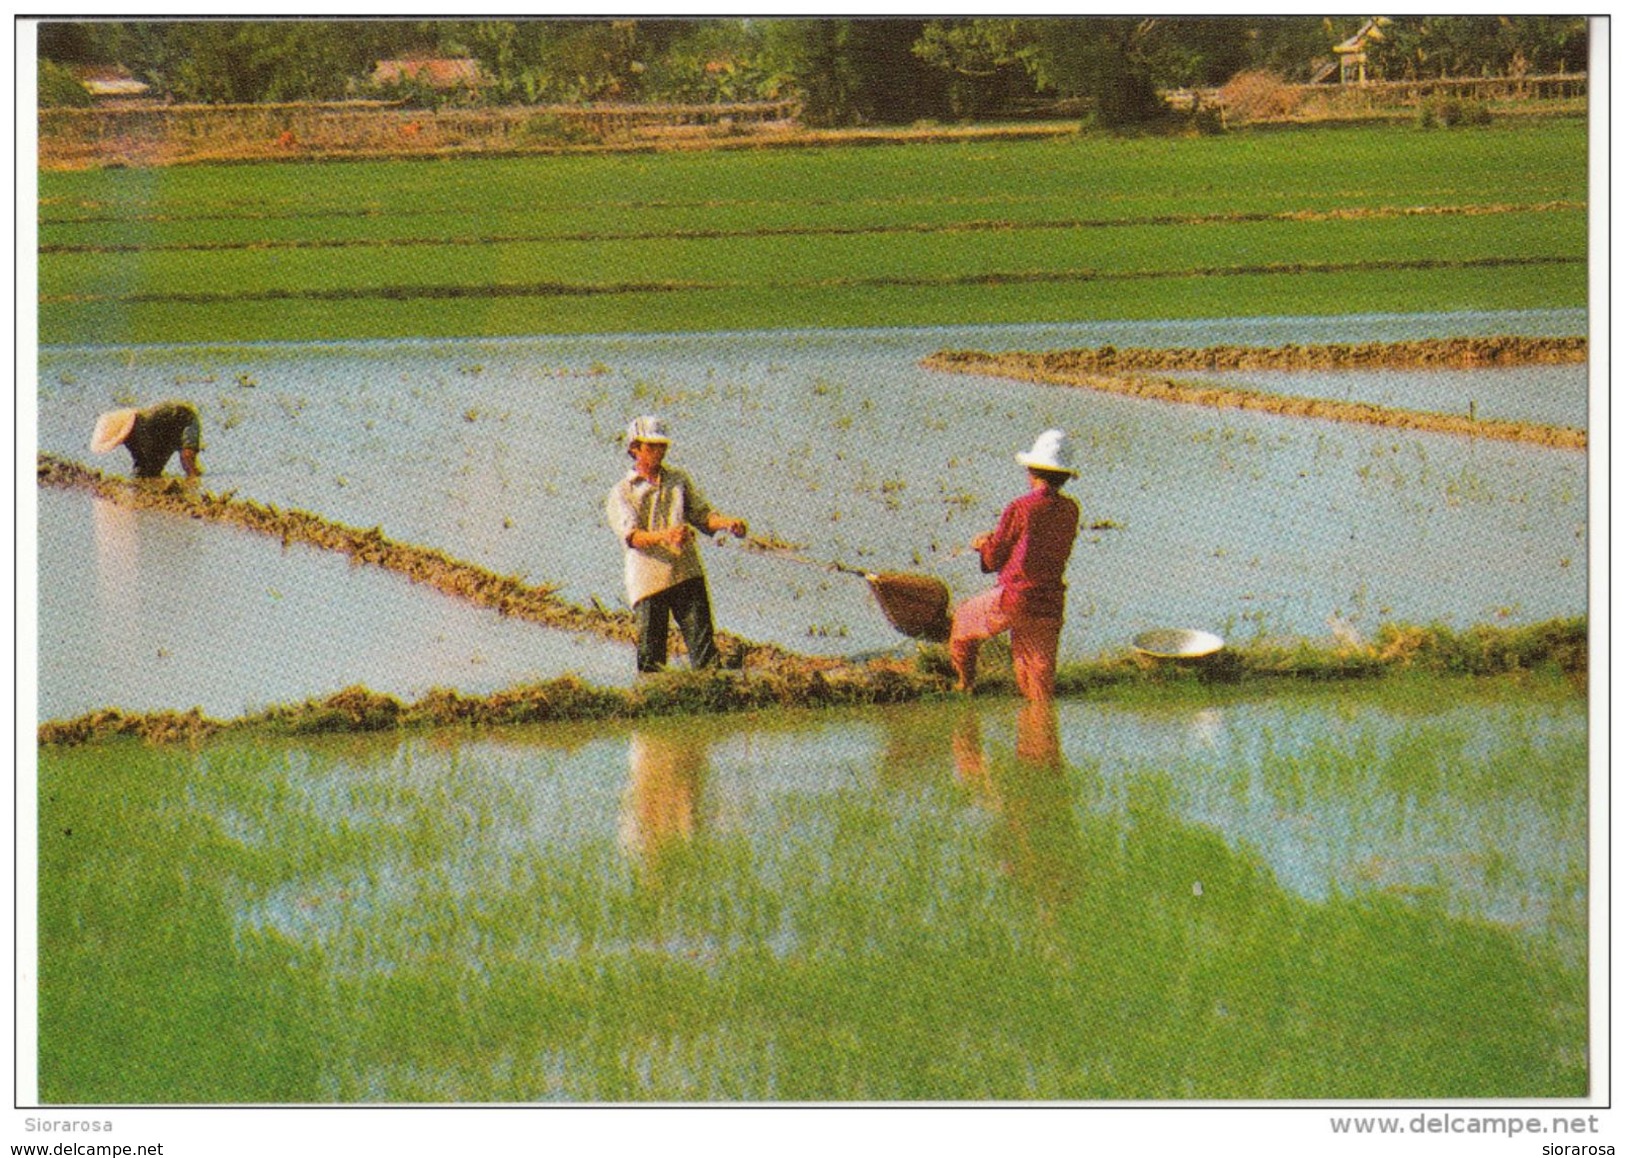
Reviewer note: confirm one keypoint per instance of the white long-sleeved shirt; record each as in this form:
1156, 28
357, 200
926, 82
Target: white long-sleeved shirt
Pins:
636, 504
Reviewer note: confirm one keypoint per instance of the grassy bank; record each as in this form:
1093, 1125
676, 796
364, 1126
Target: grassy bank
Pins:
973, 231
1113, 371
1557, 649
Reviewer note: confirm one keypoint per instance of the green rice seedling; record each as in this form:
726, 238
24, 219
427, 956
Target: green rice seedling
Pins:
269, 251
781, 912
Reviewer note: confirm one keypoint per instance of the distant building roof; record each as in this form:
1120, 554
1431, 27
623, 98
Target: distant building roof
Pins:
1370, 30
110, 81
1351, 53
436, 72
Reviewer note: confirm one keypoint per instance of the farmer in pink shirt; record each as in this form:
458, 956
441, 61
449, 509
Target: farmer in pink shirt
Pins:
1029, 550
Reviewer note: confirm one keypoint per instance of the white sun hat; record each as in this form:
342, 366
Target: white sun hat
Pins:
647, 428
111, 430
1050, 451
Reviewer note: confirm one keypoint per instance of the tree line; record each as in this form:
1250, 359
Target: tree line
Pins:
844, 71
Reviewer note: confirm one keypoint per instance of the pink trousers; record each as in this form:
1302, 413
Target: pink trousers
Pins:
1034, 643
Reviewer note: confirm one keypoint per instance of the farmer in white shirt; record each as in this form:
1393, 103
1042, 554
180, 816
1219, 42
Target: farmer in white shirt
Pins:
654, 511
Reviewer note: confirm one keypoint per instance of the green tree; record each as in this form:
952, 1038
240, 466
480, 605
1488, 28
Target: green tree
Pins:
497, 46
229, 61
1549, 43
557, 60
1107, 59
70, 42
812, 57
718, 60
1439, 46
142, 47
59, 88
853, 71
992, 61
1291, 46
894, 86
582, 60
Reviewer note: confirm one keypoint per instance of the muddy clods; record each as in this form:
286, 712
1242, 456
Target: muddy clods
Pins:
153, 727
1127, 372
1429, 354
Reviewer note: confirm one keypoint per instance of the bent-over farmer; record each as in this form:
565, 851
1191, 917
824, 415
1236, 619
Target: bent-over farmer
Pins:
152, 436
655, 511
1029, 549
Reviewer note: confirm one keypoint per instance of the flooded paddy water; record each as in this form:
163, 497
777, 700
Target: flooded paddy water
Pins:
167, 612
1362, 893
501, 452
1378, 891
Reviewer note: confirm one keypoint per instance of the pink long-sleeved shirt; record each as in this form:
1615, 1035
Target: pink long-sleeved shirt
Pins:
1030, 548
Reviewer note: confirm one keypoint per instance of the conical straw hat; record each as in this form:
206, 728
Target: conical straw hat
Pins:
112, 429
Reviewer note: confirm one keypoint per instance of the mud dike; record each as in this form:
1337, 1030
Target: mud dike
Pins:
507, 594
753, 675
1129, 371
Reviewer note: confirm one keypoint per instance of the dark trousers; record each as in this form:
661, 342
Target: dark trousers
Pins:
690, 603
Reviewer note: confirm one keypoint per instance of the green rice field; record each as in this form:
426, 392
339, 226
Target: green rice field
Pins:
1314, 222
1362, 894
1365, 878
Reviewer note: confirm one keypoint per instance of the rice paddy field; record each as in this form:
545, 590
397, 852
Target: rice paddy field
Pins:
1307, 223
501, 453
1172, 890
1371, 894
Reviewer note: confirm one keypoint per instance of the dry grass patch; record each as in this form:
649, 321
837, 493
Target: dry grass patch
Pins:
1259, 96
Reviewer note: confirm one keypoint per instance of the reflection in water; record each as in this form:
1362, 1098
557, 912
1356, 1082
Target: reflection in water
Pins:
1038, 736
1037, 838
659, 810
118, 561
1207, 728
427, 918
919, 745
147, 575
145, 611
